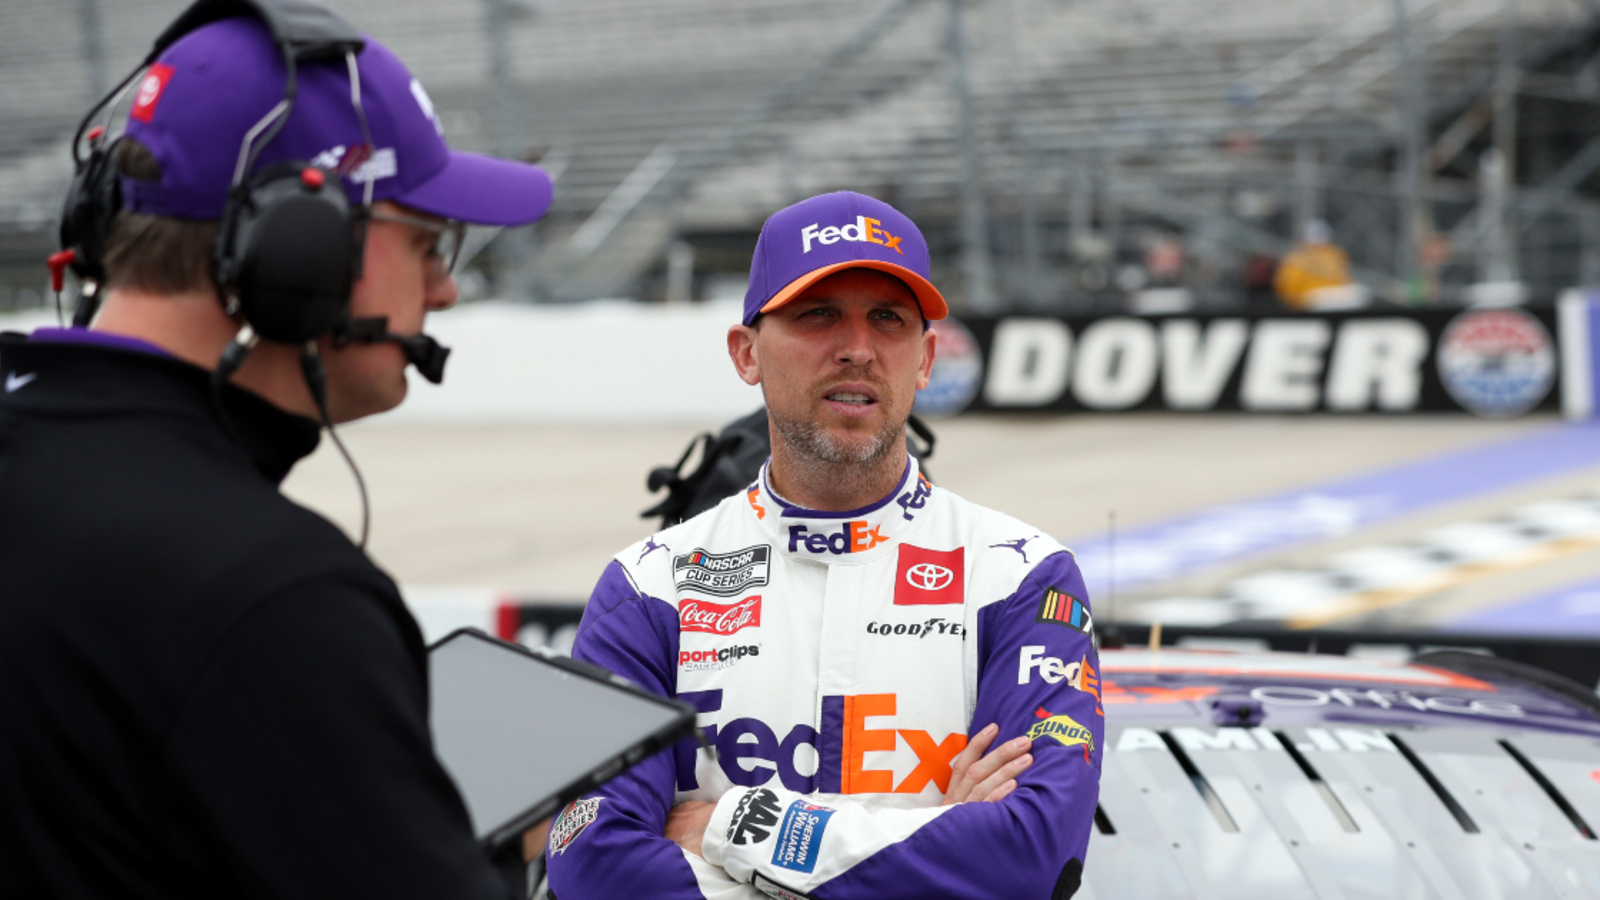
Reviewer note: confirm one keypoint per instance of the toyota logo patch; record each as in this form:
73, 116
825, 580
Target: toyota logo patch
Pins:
924, 577
929, 577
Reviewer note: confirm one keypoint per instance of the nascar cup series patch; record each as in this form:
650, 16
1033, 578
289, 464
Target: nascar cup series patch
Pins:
722, 574
578, 815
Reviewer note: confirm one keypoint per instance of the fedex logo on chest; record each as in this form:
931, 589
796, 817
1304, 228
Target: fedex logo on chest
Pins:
862, 230
750, 752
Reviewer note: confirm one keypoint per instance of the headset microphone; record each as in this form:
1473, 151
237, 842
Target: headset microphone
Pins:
420, 350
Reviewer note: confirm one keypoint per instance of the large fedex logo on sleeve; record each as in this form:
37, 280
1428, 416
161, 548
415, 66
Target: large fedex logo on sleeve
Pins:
750, 752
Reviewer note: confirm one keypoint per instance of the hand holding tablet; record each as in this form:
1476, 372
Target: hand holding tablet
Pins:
523, 732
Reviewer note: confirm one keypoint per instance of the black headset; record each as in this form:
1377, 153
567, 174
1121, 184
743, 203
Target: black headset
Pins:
290, 245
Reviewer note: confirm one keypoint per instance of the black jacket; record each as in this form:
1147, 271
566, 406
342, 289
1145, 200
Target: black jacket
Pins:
205, 689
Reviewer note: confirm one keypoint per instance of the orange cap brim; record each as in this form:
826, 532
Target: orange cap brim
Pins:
928, 297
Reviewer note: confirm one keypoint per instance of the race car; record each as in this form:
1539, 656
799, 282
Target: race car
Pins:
1282, 775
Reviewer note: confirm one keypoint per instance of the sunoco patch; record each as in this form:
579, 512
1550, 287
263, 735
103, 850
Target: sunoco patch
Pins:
1064, 729
722, 574
578, 815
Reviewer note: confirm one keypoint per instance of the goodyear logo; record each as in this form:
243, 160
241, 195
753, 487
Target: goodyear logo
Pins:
863, 230
1063, 729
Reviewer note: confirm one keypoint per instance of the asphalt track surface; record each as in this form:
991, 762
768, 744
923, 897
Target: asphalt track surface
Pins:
1417, 521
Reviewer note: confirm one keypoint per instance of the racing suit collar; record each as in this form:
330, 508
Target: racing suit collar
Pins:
856, 535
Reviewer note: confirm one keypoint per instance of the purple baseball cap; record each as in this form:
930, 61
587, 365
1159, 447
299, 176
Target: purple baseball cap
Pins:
804, 243
194, 106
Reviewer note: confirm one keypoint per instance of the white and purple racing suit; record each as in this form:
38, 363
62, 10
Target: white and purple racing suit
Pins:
840, 661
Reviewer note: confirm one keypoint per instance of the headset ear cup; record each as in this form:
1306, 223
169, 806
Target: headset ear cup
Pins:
93, 201
288, 255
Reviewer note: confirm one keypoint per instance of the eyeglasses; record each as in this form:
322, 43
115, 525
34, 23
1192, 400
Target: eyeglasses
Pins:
449, 235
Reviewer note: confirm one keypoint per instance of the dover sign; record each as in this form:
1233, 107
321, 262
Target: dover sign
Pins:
1492, 362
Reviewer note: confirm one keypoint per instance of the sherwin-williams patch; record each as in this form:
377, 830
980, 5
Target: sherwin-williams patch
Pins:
800, 836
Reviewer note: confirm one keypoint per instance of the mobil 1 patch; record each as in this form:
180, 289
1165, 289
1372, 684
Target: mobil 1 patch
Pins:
1057, 607
722, 574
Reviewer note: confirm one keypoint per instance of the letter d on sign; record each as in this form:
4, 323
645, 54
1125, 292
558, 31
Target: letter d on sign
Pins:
1028, 362
1117, 362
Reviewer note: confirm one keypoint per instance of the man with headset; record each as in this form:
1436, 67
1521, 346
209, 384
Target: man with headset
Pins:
207, 690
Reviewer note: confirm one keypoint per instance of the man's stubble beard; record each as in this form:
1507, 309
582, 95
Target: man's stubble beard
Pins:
851, 463
810, 440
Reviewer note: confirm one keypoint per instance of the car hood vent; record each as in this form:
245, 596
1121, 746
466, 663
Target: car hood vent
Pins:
1344, 811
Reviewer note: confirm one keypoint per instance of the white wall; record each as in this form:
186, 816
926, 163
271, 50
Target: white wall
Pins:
603, 362
599, 362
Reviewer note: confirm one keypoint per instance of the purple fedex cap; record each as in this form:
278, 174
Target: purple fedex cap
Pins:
194, 106
804, 243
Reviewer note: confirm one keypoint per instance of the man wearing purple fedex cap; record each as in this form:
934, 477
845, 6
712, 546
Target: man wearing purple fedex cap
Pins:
901, 686
207, 690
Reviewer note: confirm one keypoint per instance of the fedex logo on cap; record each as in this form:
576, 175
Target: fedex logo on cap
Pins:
863, 230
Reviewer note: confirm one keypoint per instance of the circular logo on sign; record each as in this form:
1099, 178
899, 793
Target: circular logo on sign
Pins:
929, 577
1497, 362
957, 371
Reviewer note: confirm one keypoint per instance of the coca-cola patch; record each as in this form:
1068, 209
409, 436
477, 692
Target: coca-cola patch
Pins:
719, 618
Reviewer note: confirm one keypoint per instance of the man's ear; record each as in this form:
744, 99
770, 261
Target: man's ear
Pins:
930, 343
742, 350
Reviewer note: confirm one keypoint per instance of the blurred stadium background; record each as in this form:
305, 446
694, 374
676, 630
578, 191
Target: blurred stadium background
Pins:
1082, 161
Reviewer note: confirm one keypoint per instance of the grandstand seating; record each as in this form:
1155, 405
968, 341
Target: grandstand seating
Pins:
765, 99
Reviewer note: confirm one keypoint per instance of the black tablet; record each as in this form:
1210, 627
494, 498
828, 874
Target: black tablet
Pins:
523, 732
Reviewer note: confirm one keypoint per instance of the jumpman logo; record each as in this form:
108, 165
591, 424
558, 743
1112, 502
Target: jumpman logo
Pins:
1016, 545
651, 546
